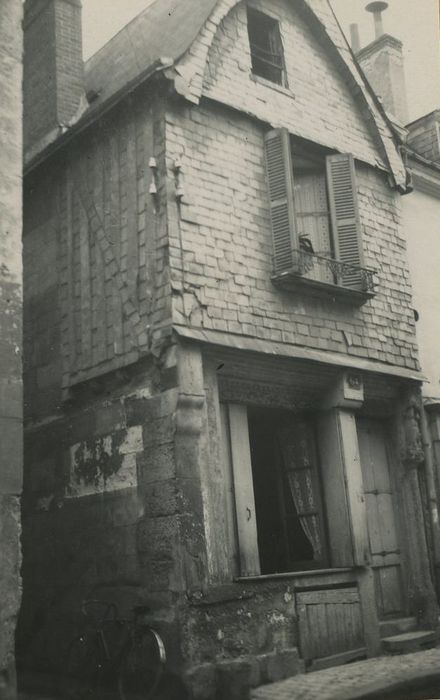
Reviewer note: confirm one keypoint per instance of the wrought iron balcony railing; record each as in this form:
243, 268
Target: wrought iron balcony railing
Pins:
327, 273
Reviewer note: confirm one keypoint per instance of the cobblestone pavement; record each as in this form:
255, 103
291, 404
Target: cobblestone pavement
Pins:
358, 679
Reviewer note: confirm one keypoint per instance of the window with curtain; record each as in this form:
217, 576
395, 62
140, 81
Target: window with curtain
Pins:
278, 501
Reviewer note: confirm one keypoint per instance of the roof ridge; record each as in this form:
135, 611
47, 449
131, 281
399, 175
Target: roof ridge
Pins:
121, 30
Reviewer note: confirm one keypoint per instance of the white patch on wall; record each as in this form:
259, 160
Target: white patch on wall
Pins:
105, 464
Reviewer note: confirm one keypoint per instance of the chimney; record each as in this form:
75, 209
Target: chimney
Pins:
382, 63
53, 80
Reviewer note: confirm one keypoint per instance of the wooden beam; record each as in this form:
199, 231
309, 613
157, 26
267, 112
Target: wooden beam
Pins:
244, 491
355, 490
335, 497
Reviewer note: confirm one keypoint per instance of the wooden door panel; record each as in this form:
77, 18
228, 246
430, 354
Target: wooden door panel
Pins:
330, 622
387, 522
379, 459
374, 532
390, 559
381, 516
365, 451
388, 580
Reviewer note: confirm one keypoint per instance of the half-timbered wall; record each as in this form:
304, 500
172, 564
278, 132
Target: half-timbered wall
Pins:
93, 265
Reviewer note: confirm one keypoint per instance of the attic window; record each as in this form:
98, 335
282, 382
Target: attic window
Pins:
266, 48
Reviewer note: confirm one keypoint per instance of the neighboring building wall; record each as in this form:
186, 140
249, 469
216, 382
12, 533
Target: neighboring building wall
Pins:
421, 215
11, 341
424, 136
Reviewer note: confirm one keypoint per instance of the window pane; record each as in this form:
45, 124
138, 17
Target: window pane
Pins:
266, 48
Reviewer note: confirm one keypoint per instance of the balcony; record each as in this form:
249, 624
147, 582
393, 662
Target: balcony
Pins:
324, 276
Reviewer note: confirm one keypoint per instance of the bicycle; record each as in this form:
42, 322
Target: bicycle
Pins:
115, 657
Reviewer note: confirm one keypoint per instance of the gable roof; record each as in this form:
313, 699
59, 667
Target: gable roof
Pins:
180, 32
165, 29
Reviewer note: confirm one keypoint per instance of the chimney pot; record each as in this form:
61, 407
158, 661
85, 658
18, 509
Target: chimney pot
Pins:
377, 8
354, 36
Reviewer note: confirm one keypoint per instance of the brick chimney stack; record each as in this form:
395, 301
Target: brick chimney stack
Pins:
382, 63
53, 80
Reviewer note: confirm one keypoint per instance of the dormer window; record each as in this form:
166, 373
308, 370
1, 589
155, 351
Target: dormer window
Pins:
266, 47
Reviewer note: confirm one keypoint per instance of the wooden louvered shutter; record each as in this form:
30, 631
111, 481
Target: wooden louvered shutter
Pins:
341, 180
280, 180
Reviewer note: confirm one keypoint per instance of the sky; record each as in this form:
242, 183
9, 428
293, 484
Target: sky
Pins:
415, 22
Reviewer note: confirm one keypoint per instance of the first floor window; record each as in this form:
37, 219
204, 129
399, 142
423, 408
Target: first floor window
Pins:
314, 212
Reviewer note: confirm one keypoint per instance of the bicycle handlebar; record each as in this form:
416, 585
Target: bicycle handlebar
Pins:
109, 608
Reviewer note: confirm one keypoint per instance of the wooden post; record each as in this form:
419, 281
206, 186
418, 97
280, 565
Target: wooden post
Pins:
344, 495
367, 594
433, 420
335, 496
190, 421
342, 473
409, 448
244, 491
431, 491
355, 489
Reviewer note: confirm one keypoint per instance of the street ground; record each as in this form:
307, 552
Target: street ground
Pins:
413, 676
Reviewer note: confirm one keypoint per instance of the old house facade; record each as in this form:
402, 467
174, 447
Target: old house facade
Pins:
11, 453
222, 378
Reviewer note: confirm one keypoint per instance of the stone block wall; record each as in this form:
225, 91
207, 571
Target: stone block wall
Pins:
11, 334
102, 514
241, 636
222, 262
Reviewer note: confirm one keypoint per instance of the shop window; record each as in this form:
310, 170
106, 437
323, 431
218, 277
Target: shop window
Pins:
266, 47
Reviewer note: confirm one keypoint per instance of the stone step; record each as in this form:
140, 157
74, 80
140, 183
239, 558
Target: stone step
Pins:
389, 628
415, 640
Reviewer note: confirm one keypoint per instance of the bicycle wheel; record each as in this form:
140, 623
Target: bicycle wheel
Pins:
84, 668
142, 665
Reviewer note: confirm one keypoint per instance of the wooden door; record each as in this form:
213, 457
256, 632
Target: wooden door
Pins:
381, 516
330, 625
